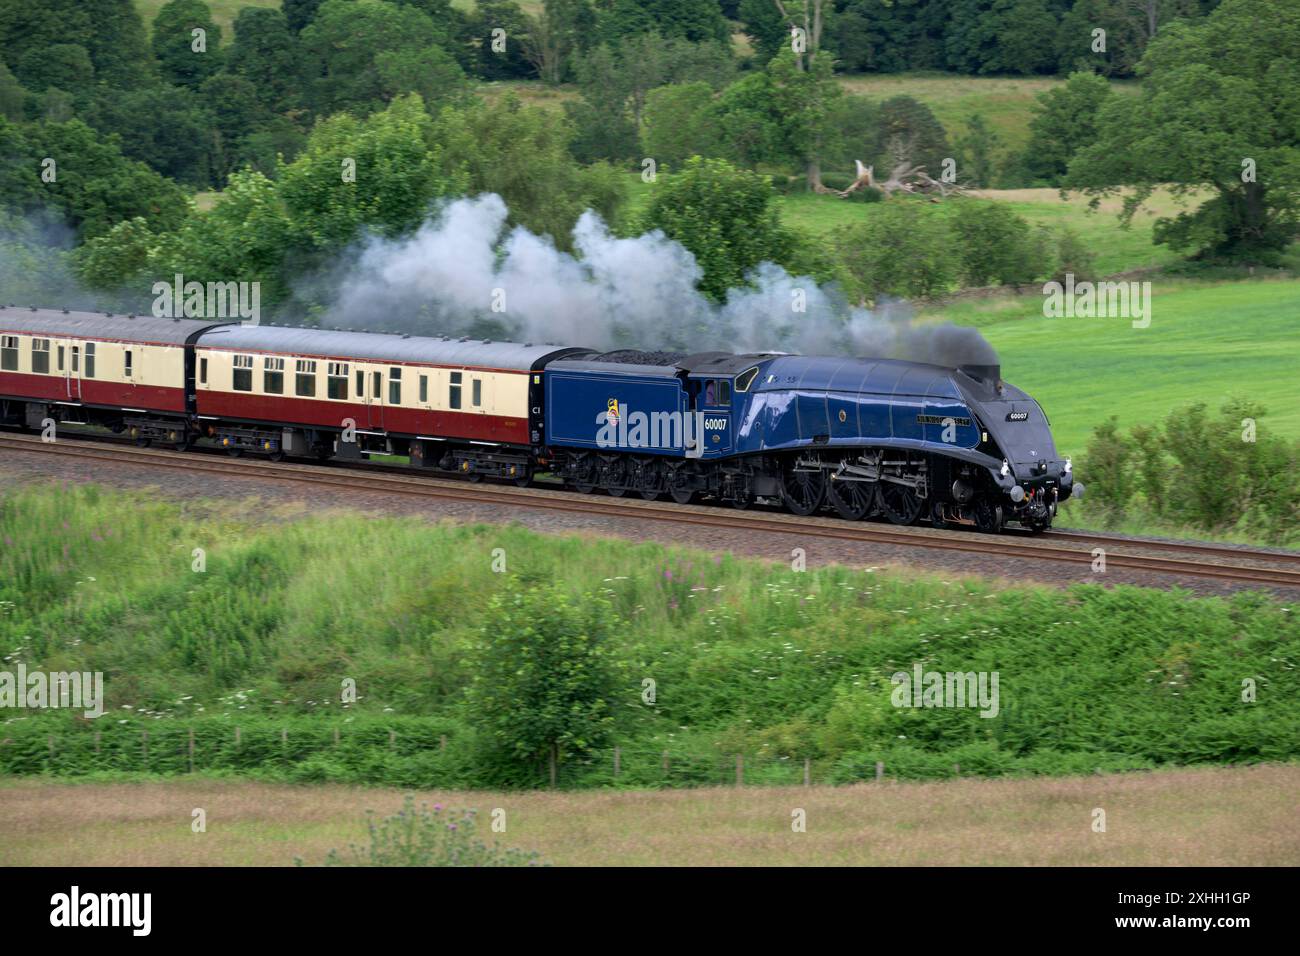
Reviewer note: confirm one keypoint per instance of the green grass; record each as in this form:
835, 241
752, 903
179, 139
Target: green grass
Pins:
1117, 249
747, 657
1004, 102
1207, 341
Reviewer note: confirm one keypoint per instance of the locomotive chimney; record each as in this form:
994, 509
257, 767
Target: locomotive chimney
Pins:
992, 374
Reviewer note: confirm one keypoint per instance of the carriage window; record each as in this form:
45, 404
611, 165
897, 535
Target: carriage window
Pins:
203, 368
424, 389
453, 394
305, 381
90, 360
338, 381
242, 378
41, 356
394, 386
273, 376
60, 358
9, 353
478, 393
126, 363
361, 384
377, 384
746, 379
76, 358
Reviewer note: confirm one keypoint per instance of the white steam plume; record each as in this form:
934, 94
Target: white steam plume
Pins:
612, 293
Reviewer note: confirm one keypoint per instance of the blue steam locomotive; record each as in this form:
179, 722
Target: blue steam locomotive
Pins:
863, 436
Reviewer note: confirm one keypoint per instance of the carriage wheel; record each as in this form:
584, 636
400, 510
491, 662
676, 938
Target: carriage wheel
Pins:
988, 516
852, 500
803, 491
901, 504
524, 478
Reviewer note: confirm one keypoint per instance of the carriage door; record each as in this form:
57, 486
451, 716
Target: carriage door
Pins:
74, 373
375, 400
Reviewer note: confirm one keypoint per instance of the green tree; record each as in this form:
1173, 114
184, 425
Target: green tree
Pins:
903, 249
166, 127
380, 171
1065, 120
110, 31
1213, 112
680, 122
356, 49
726, 218
174, 43
976, 151
64, 66
511, 62
994, 244
265, 53
542, 676
93, 186
12, 95
695, 20
910, 131
522, 154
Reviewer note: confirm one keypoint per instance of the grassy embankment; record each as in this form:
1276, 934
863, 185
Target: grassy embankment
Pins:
748, 658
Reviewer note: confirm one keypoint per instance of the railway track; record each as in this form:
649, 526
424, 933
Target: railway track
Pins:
1259, 567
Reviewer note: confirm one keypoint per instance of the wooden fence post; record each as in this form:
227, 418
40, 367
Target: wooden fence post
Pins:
191, 750
392, 738
880, 769
616, 761
236, 738
442, 743
284, 738
144, 739
336, 736
807, 771
553, 768
665, 761
97, 741
51, 746
956, 768
740, 770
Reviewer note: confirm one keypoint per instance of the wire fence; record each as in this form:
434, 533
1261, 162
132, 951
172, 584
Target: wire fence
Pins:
408, 753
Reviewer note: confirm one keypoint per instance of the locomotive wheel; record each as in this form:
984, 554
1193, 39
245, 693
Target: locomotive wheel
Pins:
585, 471
474, 477
852, 500
803, 491
143, 441
234, 451
651, 480
901, 504
277, 455
618, 474
742, 498
676, 486
988, 516
524, 478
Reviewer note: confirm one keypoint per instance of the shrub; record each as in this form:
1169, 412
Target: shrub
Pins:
419, 836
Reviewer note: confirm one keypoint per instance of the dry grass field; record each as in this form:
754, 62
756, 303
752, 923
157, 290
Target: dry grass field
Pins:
1233, 817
